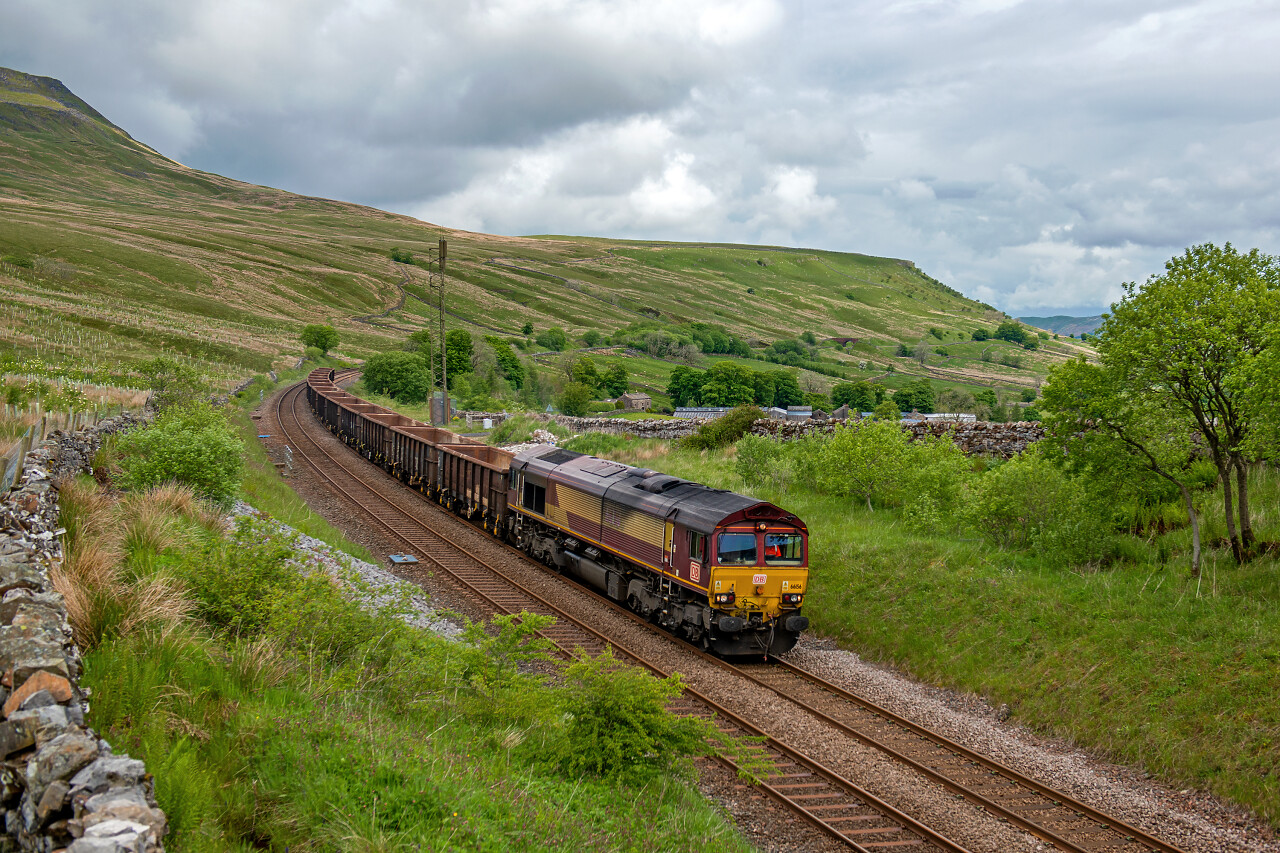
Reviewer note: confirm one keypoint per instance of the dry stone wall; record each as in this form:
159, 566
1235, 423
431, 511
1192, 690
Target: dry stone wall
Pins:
61, 786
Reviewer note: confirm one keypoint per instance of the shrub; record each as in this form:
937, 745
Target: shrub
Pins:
618, 723
402, 376
313, 353
193, 445
759, 460
865, 460
552, 339
724, 430
172, 383
887, 411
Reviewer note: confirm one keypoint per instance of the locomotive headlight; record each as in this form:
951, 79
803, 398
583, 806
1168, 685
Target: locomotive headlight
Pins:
792, 598
725, 598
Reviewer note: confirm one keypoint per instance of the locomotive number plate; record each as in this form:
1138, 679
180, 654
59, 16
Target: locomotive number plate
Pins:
759, 579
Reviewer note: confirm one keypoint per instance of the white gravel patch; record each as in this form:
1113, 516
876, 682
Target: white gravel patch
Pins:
373, 587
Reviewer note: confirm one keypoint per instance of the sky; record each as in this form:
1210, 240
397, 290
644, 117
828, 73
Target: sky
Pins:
1034, 155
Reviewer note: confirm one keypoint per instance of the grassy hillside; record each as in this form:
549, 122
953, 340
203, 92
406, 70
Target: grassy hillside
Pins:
110, 252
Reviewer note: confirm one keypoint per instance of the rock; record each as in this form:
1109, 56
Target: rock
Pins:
16, 735
58, 688
60, 758
53, 799
15, 575
47, 723
123, 804
25, 656
109, 771
39, 699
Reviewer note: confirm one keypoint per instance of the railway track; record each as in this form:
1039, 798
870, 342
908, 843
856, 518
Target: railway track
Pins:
821, 796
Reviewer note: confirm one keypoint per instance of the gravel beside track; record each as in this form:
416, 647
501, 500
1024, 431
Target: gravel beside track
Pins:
1194, 822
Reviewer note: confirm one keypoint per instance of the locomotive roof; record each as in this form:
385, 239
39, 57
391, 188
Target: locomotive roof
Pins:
690, 504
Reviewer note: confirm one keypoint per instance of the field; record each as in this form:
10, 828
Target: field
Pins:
111, 253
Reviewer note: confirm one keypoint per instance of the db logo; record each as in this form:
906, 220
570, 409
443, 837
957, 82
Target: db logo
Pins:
759, 579
695, 571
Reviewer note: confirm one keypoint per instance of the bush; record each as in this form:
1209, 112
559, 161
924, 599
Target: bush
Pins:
724, 430
313, 353
1027, 503
618, 723
172, 383
759, 460
402, 376
887, 411
191, 444
553, 339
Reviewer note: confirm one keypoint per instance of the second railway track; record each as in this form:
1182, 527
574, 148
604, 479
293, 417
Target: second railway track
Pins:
821, 796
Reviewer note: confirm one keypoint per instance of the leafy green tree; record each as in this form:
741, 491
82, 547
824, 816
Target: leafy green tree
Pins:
685, 386
526, 329
861, 396
758, 459
809, 338
575, 399
786, 389
981, 335
1032, 342
1012, 331
887, 411
591, 338
915, 396
583, 369
460, 348
864, 459
421, 343
507, 360
1187, 340
323, 337
172, 383
402, 376
727, 384
614, 380
765, 387
189, 443
553, 339
818, 402
401, 256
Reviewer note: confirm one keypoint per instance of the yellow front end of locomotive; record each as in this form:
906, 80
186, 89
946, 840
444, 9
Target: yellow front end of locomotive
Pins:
768, 590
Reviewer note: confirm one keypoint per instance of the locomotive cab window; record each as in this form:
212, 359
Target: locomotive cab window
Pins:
783, 549
736, 549
535, 498
697, 546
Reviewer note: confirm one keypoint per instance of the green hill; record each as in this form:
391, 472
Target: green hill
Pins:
1064, 325
110, 252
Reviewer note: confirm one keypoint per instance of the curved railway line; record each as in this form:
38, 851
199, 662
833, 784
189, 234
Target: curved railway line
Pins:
819, 795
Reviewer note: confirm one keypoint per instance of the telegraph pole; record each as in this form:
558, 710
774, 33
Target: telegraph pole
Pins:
435, 279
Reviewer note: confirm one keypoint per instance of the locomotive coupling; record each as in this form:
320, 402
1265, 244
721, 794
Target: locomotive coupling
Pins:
795, 623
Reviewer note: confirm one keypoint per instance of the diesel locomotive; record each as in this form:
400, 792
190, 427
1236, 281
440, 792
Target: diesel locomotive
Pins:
724, 571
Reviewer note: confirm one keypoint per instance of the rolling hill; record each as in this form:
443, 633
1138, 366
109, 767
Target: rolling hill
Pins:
111, 252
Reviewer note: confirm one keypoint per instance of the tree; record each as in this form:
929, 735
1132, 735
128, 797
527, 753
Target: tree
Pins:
981, 335
887, 411
508, 362
575, 399
727, 384
193, 444
685, 386
421, 343
614, 380
323, 338
1094, 426
591, 338
526, 329
402, 376
553, 339
859, 396
459, 348
809, 338
1012, 331
915, 396
1187, 339
786, 389
765, 387
583, 370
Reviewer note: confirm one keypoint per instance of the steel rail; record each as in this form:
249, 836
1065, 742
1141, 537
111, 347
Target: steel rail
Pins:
822, 783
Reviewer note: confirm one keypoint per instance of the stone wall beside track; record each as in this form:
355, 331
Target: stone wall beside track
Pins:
61, 786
